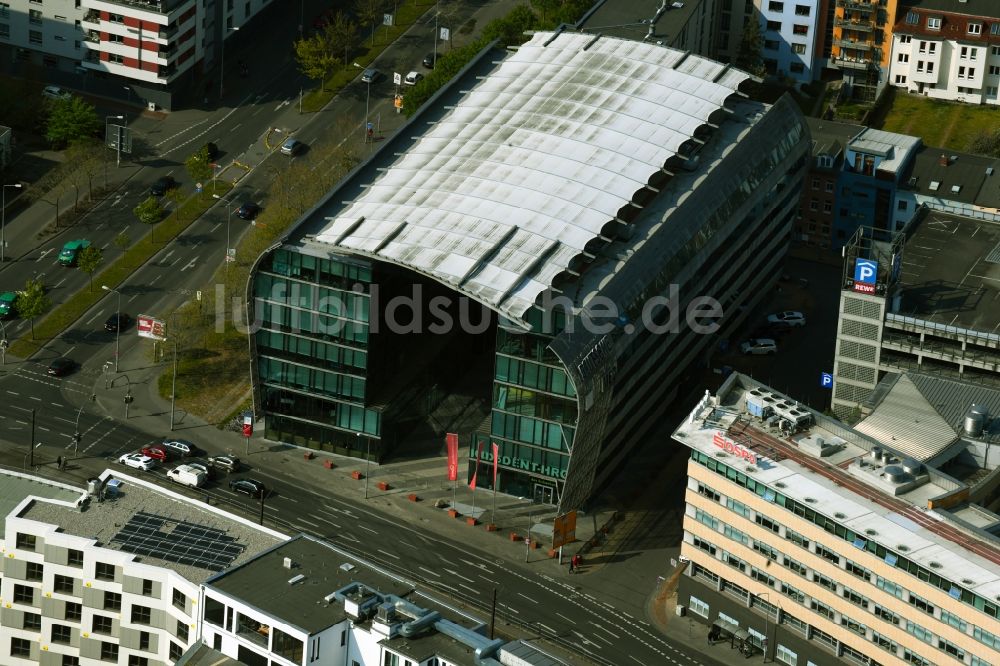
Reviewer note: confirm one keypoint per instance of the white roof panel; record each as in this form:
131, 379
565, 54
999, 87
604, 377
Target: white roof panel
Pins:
499, 195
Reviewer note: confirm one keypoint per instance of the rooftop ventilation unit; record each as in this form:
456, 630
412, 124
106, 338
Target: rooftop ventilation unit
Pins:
911, 466
296, 579
876, 453
287, 562
989, 171
896, 474
975, 420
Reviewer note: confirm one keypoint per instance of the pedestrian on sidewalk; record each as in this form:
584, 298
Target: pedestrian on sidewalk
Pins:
576, 561
572, 564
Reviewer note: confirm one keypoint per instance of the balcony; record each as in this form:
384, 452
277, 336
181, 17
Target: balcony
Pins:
168, 33
93, 37
155, 6
92, 17
859, 5
853, 24
166, 71
851, 44
853, 63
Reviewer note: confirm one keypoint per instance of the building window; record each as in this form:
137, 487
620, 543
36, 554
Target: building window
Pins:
919, 632
953, 620
136, 660
179, 599
922, 604
116, 59
813, 204
786, 656
24, 594
900, 79
772, 44
930, 67
815, 183
61, 633
109, 652
991, 91
74, 558
182, 631
912, 18
934, 22
116, 39
112, 601
63, 584
104, 571
20, 647
798, 48
796, 68
141, 614
995, 50
800, 29
975, 28
4, 30
34, 571
144, 640
101, 624
116, 18
698, 607
74, 611
901, 205
905, 39
963, 53
34, 18
68, 660
25, 541
774, 25
903, 57
175, 651
776, 6
802, 10
4, 10
994, 70
32, 621
972, 73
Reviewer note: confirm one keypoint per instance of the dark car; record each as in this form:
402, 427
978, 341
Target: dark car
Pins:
228, 463
248, 211
428, 61
61, 366
162, 186
202, 467
249, 487
119, 321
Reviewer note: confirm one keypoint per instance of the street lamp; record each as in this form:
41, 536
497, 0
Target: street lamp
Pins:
3, 222
222, 68
118, 321
118, 137
3, 344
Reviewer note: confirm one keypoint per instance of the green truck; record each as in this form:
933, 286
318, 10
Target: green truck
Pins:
71, 251
8, 299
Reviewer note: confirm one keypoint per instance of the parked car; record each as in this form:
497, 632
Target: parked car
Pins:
413, 78
8, 304
202, 467
156, 452
227, 463
180, 447
428, 61
162, 186
61, 366
55, 92
248, 211
119, 321
789, 318
292, 147
758, 346
137, 461
371, 75
248, 487
188, 476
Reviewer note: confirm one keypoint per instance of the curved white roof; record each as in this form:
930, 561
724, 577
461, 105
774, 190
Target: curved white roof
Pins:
500, 194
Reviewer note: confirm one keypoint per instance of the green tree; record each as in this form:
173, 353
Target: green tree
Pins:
177, 198
33, 302
199, 166
510, 29
342, 32
748, 55
89, 261
315, 57
71, 120
122, 241
369, 12
149, 212
986, 142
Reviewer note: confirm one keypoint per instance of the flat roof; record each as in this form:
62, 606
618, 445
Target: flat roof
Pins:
831, 137
103, 522
959, 180
536, 161
629, 19
948, 275
15, 487
263, 583
200, 654
839, 480
892, 147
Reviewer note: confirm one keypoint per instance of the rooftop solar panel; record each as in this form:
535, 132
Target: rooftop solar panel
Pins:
178, 541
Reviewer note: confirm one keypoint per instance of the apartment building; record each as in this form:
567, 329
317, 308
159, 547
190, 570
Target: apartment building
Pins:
792, 38
862, 41
812, 543
818, 205
155, 48
306, 603
948, 49
110, 573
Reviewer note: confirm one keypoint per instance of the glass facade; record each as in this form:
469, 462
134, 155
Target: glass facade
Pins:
312, 351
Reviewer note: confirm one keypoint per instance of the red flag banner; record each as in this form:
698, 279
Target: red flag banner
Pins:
451, 439
496, 458
475, 473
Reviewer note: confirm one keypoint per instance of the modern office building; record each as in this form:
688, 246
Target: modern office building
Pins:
111, 573
948, 49
921, 300
153, 47
818, 205
583, 192
792, 38
862, 45
817, 544
304, 602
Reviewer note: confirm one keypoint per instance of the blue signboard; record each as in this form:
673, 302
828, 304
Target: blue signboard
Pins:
865, 272
826, 380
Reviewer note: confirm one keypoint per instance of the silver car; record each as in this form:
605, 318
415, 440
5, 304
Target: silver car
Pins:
370, 75
757, 346
291, 147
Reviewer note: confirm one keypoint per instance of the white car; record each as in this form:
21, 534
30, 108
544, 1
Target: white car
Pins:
137, 461
55, 92
413, 78
787, 318
757, 346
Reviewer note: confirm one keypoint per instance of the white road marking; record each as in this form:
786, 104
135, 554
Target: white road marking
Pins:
551, 630
564, 617
455, 573
534, 601
388, 554
190, 264
433, 573
308, 522
367, 529
603, 628
45, 252
235, 127
217, 225
59, 284
91, 320
470, 589
43, 428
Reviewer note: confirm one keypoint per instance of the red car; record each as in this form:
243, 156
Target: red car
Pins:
157, 453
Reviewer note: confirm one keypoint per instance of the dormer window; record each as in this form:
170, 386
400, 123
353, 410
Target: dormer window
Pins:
824, 162
934, 22
975, 28
912, 18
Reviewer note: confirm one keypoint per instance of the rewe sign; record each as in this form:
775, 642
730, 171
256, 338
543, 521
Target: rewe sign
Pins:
730, 446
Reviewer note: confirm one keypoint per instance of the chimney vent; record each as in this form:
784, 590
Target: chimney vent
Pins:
288, 563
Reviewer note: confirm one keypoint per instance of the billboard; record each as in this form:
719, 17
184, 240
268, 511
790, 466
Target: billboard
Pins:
865, 272
150, 327
564, 529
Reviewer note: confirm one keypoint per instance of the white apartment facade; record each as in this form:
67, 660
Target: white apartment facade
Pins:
947, 55
815, 547
790, 31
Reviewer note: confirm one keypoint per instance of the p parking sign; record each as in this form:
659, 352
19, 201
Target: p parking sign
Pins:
865, 272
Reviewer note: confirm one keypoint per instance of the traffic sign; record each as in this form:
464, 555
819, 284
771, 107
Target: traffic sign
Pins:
397, 78
826, 380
